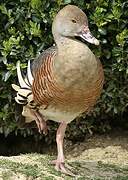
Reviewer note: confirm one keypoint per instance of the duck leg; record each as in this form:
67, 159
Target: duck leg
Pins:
59, 163
40, 122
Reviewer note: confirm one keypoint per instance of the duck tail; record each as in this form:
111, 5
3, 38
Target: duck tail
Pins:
24, 89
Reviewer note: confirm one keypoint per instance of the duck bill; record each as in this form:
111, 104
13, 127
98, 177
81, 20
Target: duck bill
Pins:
87, 36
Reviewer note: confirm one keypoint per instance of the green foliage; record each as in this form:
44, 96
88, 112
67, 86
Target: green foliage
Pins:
25, 30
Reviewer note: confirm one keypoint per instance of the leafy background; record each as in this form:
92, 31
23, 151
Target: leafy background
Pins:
25, 31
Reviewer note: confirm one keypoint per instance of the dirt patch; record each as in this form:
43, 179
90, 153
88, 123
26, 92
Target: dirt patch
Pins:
112, 148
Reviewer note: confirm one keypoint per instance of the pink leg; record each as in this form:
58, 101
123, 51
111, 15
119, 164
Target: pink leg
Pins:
59, 139
59, 163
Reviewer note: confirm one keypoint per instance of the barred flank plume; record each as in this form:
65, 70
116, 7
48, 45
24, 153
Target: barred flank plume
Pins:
44, 86
24, 92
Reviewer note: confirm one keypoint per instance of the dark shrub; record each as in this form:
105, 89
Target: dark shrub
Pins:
25, 30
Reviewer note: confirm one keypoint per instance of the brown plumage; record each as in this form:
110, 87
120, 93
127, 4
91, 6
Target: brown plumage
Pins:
47, 91
66, 80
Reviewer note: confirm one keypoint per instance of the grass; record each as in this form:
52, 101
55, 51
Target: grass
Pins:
27, 169
38, 166
6, 175
112, 167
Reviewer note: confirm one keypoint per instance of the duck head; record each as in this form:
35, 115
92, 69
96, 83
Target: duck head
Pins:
71, 22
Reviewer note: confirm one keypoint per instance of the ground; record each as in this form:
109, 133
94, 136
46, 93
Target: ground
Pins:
100, 157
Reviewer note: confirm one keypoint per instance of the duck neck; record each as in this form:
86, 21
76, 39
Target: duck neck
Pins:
74, 62
73, 50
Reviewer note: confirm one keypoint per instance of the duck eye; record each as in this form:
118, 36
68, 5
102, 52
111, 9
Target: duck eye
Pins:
73, 20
